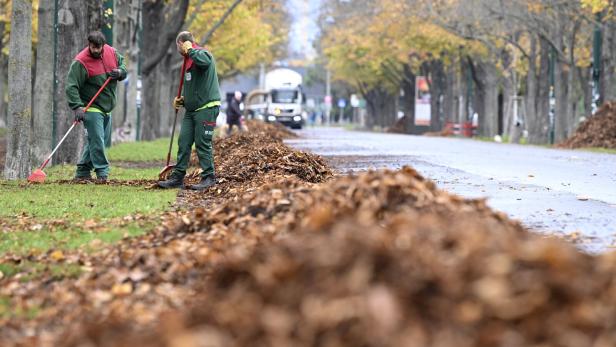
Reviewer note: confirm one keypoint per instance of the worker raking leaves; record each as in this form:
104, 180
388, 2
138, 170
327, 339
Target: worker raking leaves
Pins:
87, 74
201, 99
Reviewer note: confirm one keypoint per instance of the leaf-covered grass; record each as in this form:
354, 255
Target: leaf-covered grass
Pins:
7, 310
54, 216
68, 216
29, 270
69, 238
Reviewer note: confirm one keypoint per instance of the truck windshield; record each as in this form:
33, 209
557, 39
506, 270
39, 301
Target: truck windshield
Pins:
284, 96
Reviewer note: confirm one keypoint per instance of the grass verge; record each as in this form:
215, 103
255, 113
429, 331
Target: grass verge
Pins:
599, 150
80, 201
65, 172
52, 216
140, 151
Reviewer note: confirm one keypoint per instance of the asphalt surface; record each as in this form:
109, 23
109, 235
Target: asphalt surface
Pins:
570, 193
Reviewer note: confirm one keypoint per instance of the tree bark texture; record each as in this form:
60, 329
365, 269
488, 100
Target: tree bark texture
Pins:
125, 41
486, 80
608, 60
42, 104
538, 92
75, 20
17, 165
408, 104
159, 34
3, 79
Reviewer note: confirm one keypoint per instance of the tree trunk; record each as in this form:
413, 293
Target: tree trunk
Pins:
75, 20
381, 105
17, 163
514, 120
158, 28
508, 100
543, 92
434, 71
575, 98
450, 110
534, 133
42, 105
3, 78
486, 80
608, 59
371, 110
408, 104
153, 12
151, 118
125, 41
563, 81
561, 116
168, 77
585, 77
538, 93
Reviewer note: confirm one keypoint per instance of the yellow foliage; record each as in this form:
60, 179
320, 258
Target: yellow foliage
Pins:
374, 48
367, 38
252, 34
5, 16
596, 6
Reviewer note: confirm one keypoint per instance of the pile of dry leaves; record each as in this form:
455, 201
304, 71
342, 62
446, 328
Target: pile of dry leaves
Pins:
246, 161
270, 257
383, 258
599, 130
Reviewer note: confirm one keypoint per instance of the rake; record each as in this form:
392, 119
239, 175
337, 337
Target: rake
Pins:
38, 176
165, 171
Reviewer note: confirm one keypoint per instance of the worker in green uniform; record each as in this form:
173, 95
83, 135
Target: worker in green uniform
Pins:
86, 75
201, 99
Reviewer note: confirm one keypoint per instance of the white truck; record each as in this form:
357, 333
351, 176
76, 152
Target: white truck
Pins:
284, 100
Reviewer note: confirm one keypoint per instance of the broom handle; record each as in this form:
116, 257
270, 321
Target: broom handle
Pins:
74, 123
176, 110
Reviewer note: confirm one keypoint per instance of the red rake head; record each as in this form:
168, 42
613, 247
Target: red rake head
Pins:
38, 176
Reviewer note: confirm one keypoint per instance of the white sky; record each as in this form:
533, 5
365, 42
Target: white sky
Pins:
304, 28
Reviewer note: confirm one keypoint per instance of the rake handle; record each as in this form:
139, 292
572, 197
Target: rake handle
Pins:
176, 110
74, 123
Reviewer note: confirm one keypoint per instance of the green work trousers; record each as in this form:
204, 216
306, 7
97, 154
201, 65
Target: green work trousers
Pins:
96, 125
198, 128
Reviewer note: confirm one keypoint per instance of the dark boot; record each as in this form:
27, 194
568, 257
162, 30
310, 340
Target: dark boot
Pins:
206, 182
101, 179
172, 182
80, 179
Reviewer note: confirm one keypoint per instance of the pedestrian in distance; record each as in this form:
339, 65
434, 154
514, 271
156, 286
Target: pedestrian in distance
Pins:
201, 100
87, 74
234, 113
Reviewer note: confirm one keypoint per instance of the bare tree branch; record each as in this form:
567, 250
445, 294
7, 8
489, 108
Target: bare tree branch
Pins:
220, 22
195, 13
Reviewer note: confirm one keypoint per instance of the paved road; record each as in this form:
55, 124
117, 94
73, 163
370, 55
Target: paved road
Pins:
549, 190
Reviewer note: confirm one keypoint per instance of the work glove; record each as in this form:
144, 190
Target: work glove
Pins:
80, 115
178, 102
115, 74
186, 46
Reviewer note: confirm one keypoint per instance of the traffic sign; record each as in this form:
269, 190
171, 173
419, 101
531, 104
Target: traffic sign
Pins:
354, 100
